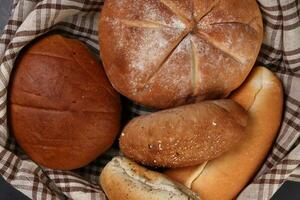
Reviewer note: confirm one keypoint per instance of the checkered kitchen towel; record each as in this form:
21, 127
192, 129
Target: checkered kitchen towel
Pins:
79, 19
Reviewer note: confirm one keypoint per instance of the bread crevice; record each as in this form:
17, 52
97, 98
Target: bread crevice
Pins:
194, 68
169, 4
219, 46
164, 60
55, 56
209, 10
28, 92
195, 176
58, 110
256, 93
146, 24
235, 23
83, 68
193, 10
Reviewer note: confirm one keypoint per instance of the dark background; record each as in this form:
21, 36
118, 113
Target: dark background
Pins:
5, 7
289, 191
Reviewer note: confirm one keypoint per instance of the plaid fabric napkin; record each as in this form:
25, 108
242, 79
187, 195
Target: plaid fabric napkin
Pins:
79, 19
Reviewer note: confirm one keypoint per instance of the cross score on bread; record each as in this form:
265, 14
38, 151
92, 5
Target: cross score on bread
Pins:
168, 53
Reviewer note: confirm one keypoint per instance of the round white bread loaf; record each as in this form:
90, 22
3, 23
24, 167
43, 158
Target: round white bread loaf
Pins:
223, 178
122, 179
166, 53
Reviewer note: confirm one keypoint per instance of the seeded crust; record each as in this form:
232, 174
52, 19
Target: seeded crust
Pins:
186, 135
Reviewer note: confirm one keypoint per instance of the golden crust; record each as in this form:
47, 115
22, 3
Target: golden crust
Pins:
223, 178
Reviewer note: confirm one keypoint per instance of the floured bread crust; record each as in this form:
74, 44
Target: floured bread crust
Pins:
163, 53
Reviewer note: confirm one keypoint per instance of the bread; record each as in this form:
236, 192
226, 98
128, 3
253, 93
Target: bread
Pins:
122, 179
63, 110
184, 136
167, 53
223, 178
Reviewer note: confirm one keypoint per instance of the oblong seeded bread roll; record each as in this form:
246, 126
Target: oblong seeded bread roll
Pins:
166, 53
184, 136
122, 179
223, 178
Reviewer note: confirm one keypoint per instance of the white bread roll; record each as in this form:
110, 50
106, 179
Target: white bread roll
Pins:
122, 179
223, 178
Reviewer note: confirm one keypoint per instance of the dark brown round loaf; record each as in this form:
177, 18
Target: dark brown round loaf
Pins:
63, 110
172, 52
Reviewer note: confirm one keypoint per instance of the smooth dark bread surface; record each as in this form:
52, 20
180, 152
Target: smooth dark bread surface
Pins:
63, 110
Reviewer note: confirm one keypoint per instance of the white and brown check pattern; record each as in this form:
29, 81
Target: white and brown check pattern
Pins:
79, 19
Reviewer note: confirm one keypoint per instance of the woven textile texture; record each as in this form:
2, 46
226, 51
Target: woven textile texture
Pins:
30, 19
